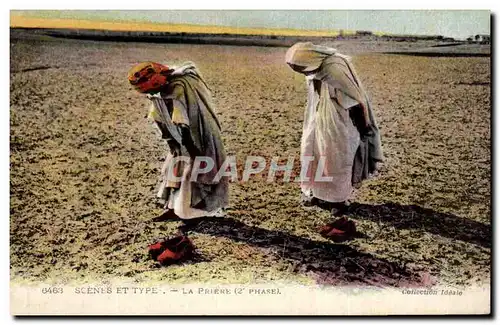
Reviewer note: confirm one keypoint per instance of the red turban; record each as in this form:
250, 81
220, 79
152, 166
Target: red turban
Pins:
148, 77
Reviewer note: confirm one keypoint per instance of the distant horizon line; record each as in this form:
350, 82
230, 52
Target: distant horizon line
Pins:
20, 21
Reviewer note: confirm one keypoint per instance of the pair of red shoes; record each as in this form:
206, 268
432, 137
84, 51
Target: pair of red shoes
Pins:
340, 230
172, 250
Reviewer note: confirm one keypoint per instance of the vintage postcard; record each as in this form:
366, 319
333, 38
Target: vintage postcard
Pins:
250, 162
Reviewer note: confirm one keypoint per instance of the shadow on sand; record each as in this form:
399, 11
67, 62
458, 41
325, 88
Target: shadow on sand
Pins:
340, 264
328, 263
415, 217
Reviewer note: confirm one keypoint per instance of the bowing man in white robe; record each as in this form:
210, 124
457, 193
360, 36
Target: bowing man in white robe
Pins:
340, 144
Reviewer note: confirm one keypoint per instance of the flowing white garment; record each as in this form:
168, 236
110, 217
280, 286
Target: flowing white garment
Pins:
332, 150
180, 199
329, 143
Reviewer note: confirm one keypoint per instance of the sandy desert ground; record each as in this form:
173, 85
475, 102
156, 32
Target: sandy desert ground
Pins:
85, 164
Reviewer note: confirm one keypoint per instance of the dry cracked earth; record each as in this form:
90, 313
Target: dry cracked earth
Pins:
85, 163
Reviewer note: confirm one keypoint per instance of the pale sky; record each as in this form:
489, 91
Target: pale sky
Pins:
451, 23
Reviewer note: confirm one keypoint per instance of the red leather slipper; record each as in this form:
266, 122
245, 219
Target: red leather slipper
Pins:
155, 249
343, 231
337, 235
340, 223
175, 249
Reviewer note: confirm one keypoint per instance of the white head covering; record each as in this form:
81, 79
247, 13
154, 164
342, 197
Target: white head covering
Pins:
308, 55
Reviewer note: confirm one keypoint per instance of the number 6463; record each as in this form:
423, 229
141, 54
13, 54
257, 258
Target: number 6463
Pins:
52, 290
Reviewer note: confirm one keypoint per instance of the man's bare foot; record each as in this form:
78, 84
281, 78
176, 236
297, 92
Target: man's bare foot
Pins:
189, 224
167, 215
339, 209
308, 201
